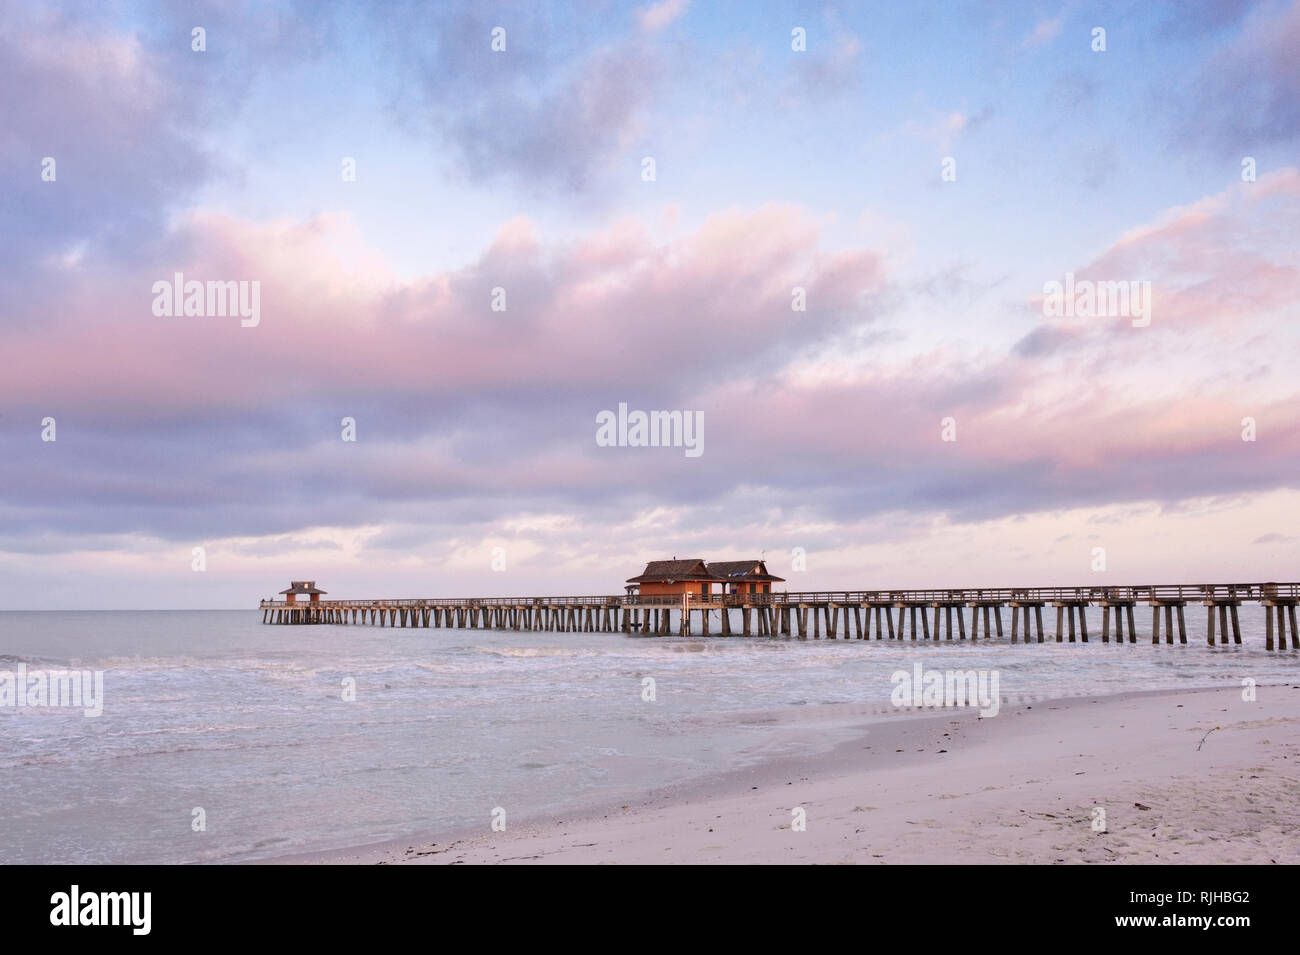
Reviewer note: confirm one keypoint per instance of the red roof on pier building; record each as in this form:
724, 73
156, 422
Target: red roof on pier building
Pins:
694, 576
674, 577
745, 576
297, 587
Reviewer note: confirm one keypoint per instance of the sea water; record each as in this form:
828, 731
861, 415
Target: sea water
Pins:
288, 739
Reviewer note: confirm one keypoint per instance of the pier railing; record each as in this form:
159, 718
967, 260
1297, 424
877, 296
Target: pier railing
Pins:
840, 611
1133, 593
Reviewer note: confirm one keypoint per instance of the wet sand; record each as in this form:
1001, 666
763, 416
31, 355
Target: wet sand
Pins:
1025, 786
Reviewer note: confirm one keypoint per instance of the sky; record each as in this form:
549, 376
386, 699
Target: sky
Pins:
829, 233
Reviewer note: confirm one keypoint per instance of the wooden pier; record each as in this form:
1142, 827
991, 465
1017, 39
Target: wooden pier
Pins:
834, 615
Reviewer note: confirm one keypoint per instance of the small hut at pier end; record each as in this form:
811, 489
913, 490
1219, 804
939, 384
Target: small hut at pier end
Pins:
302, 587
663, 578
744, 576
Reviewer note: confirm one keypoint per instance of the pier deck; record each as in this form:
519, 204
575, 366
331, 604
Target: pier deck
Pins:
843, 614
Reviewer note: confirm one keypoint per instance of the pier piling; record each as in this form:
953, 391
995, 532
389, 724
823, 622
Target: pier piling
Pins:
844, 615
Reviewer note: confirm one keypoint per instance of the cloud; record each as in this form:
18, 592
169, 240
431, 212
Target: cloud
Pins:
657, 16
452, 398
1247, 94
555, 111
122, 112
123, 150
477, 412
1044, 32
944, 129
1210, 17
1273, 538
831, 64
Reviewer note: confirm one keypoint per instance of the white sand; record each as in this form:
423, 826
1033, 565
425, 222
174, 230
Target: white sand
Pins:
1020, 787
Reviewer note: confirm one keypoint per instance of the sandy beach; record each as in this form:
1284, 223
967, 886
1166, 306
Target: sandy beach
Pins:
1022, 787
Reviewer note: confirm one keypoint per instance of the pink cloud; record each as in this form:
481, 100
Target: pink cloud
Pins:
332, 312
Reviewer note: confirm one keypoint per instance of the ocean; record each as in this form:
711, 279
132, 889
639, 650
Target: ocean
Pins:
212, 715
